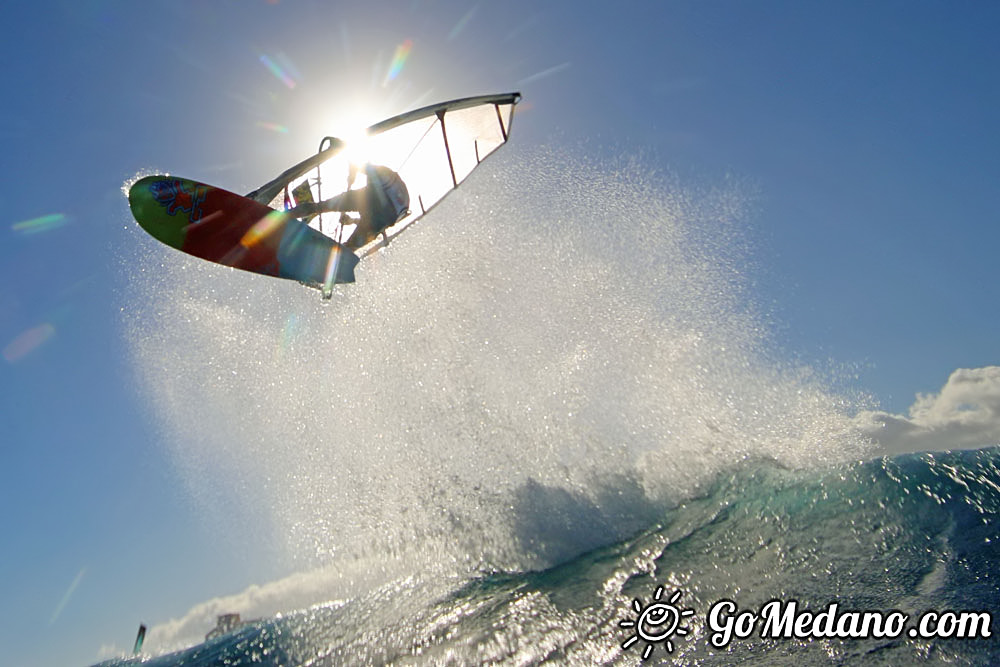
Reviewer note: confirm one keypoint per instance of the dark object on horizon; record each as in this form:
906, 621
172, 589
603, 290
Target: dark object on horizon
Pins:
139, 639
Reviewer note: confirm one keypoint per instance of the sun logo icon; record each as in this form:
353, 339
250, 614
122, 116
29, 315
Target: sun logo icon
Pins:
656, 622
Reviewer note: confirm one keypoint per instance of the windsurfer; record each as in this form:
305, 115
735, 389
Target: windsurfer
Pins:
382, 202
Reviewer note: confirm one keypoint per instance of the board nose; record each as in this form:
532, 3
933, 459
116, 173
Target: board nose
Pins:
145, 200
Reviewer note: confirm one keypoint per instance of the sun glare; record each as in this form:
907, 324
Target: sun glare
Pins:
357, 146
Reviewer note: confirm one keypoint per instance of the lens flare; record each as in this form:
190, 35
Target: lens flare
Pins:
29, 340
462, 22
543, 74
278, 71
292, 330
265, 228
398, 61
69, 593
274, 127
41, 224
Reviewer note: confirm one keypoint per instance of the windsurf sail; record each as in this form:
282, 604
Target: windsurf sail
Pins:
433, 149
139, 639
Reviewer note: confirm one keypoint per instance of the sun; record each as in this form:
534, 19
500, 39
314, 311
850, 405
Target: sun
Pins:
656, 622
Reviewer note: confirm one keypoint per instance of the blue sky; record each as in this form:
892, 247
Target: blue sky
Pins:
866, 132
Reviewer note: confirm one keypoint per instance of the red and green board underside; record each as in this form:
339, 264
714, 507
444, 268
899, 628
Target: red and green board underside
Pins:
232, 230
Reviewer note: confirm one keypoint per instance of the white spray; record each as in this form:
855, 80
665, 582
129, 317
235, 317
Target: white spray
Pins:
544, 364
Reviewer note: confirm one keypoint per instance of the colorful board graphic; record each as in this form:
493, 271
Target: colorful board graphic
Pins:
232, 230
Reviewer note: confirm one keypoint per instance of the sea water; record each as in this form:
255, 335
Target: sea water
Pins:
545, 422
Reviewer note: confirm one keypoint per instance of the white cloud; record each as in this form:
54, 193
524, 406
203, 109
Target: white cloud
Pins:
965, 414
